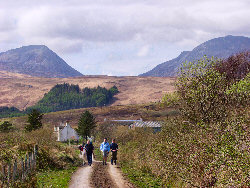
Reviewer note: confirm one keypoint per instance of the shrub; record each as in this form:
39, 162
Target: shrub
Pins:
6, 127
236, 67
170, 100
202, 91
239, 92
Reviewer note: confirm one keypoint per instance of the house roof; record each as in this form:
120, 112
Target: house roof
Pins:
147, 124
61, 125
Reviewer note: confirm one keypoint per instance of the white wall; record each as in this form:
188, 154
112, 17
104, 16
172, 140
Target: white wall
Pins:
68, 133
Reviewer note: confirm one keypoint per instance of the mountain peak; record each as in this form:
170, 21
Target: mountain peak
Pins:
221, 47
36, 60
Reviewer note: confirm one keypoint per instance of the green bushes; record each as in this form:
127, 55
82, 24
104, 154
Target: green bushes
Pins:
6, 126
202, 91
170, 100
10, 112
239, 92
206, 145
185, 154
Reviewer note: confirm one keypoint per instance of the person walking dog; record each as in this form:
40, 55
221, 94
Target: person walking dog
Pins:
89, 152
105, 148
113, 149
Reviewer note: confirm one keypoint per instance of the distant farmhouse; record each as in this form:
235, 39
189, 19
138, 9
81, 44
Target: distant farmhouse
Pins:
132, 124
65, 132
154, 125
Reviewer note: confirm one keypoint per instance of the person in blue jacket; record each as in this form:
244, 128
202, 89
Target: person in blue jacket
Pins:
105, 148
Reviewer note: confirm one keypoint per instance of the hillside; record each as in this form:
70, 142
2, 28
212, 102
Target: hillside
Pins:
23, 91
36, 60
221, 47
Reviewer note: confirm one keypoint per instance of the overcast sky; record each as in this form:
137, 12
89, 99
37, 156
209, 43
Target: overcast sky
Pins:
119, 37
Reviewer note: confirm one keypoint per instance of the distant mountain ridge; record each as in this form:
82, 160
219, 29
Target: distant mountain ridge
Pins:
36, 60
221, 47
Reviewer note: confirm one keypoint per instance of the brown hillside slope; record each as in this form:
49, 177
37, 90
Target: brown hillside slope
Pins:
23, 91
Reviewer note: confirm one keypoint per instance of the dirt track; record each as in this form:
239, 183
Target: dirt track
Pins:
99, 176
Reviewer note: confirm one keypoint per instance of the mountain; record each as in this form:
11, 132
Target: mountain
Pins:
221, 47
36, 60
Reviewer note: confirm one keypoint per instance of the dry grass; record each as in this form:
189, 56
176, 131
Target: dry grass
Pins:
23, 91
135, 112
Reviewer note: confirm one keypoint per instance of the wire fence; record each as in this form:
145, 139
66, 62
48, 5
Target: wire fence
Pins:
19, 169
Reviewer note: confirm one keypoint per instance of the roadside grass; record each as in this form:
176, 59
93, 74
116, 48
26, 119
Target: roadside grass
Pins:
140, 178
55, 177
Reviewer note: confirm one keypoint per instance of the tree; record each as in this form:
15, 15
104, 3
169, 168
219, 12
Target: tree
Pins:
114, 90
6, 127
34, 120
86, 124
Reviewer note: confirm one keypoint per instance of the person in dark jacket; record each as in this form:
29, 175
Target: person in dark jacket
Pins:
113, 149
89, 151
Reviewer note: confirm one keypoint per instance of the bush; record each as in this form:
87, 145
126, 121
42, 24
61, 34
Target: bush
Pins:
239, 92
202, 91
6, 127
236, 67
170, 100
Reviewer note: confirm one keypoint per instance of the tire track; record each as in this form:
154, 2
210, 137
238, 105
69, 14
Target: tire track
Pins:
100, 176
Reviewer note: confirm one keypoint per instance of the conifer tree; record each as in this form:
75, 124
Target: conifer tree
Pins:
86, 124
34, 120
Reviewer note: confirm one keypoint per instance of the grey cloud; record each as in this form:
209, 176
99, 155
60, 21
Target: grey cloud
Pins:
117, 22
70, 26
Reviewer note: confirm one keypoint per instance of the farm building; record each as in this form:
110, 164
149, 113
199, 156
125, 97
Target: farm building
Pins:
155, 125
132, 124
122, 122
65, 132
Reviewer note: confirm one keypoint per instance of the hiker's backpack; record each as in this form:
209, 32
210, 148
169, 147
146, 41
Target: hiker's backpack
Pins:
81, 148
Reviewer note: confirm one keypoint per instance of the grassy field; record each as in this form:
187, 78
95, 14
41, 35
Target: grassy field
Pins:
55, 178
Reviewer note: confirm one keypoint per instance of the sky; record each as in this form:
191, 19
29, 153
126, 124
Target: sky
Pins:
119, 37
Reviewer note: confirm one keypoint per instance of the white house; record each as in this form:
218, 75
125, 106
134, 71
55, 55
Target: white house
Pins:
65, 132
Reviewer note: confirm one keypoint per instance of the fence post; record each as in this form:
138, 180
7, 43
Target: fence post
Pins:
32, 160
35, 154
26, 165
9, 172
14, 175
23, 169
29, 157
4, 175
